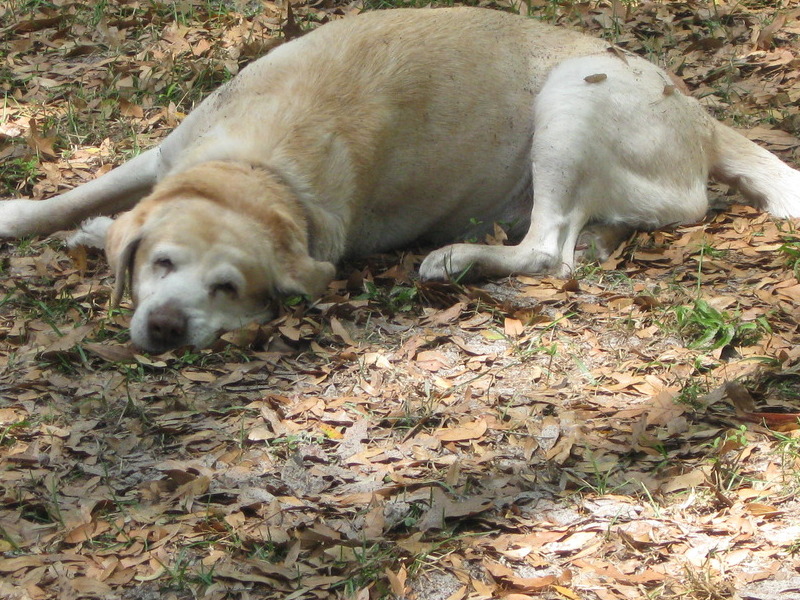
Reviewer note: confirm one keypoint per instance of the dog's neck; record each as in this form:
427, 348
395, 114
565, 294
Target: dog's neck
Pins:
326, 235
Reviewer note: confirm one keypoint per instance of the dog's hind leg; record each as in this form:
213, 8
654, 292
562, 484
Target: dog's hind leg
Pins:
565, 151
614, 143
557, 154
117, 190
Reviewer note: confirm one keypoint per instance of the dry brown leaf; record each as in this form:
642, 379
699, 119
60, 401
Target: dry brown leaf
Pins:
469, 431
397, 581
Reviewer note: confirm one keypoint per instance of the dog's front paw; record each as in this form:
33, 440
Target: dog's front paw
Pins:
451, 263
466, 262
92, 233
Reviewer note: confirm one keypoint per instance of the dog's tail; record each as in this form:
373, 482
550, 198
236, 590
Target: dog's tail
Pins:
759, 175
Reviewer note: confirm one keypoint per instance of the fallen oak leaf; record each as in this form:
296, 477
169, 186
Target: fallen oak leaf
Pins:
740, 396
460, 593
397, 581
42, 144
443, 507
763, 510
767, 34
436, 318
773, 420
571, 543
471, 431
363, 594
230, 572
198, 376
432, 360
129, 109
772, 137
340, 332
524, 584
566, 592
487, 589
86, 532
10, 565
67, 342
513, 328
88, 587
330, 432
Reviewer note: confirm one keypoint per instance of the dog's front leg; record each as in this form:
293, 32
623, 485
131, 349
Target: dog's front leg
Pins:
115, 191
558, 215
547, 248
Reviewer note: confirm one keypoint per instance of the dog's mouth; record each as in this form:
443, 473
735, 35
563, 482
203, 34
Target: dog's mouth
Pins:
169, 327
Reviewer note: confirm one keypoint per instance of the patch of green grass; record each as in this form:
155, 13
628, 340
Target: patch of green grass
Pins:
188, 573
365, 567
18, 176
55, 309
6, 436
29, 6
691, 393
267, 551
705, 251
286, 445
394, 299
609, 279
706, 328
788, 447
703, 583
603, 478
538, 345
791, 253
726, 457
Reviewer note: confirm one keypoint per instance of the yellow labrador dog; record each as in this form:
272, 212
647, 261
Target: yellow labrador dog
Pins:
376, 131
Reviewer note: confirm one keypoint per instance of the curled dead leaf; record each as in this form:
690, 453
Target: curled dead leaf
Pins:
471, 431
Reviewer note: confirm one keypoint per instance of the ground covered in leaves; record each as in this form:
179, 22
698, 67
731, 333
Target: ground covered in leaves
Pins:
631, 433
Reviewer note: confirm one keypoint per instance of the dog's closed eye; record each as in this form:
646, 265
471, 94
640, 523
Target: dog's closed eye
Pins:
224, 287
164, 264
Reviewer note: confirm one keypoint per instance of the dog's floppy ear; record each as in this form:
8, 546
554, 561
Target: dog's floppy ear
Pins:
295, 271
122, 240
306, 276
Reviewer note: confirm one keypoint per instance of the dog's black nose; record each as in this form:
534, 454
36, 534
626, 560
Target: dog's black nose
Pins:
166, 327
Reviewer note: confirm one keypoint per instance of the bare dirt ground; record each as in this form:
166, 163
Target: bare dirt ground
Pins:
631, 433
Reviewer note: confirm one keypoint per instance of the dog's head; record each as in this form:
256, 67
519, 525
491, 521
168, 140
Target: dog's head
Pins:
208, 251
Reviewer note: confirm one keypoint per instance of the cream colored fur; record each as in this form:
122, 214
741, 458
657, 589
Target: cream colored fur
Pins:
393, 127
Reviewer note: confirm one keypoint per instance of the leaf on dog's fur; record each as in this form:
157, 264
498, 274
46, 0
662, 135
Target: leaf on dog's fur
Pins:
596, 78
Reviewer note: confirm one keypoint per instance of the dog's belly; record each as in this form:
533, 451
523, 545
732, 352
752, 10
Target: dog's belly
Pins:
462, 212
